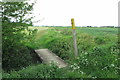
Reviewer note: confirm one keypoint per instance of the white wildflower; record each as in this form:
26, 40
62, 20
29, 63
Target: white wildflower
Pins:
112, 65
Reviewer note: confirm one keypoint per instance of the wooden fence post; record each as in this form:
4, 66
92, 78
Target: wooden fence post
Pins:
74, 37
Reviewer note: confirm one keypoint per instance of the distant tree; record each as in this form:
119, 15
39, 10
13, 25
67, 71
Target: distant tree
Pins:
89, 26
108, 26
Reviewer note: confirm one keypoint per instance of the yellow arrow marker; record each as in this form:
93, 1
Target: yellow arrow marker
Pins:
73, 23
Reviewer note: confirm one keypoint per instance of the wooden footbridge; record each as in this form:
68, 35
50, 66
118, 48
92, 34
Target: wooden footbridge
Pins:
47, 57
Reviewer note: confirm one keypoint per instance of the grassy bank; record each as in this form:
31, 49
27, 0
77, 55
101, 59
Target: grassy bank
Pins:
97, 48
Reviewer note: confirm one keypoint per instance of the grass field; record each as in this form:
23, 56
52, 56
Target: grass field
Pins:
97, 52
96, 36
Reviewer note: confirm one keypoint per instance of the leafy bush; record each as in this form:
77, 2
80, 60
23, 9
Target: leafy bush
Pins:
16, 57
66, 32
100, 40
15, 53
44, 71
85, 42
61, 47
98, 63
38, 71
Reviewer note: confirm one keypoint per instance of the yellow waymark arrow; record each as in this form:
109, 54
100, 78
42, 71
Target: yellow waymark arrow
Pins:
73, 23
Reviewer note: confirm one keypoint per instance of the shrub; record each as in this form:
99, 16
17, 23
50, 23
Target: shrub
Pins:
45, 71
61, 47
85, 42
16, 57
15, 54
100, 40
100, 62
37, 71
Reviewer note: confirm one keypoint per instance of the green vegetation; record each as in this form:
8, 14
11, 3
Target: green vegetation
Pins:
14, 24
97, 47
98, 53
44, 71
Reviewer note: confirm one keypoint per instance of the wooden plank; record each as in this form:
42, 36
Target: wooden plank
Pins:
47, 56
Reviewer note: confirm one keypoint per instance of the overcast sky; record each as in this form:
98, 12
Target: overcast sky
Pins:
85, 12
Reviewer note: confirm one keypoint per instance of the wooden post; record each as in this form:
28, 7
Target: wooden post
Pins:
74, 37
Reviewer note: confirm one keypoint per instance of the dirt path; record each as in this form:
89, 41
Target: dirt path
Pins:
41, 31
